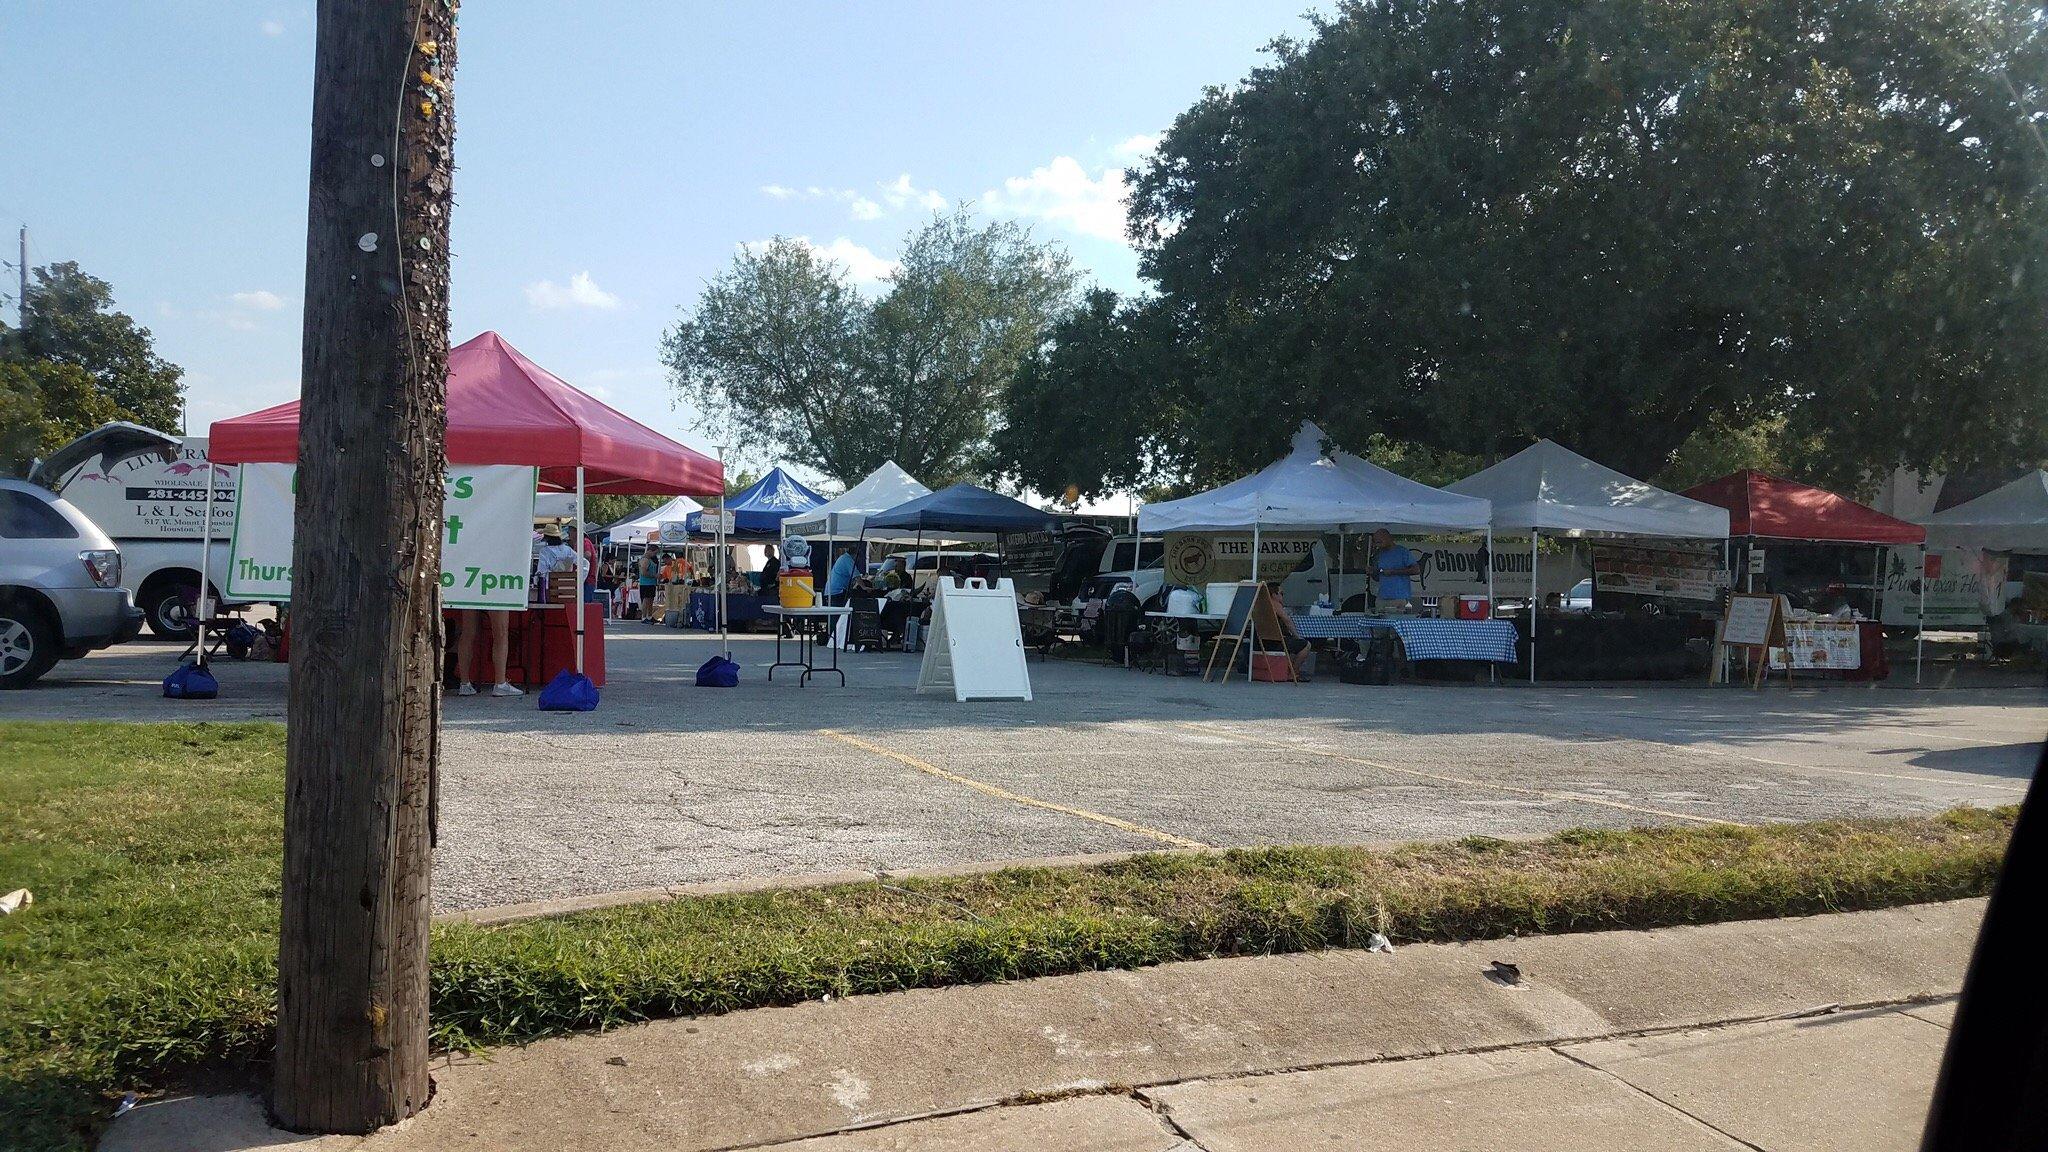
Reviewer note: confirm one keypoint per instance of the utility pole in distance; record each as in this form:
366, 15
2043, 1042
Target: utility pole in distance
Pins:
363, 733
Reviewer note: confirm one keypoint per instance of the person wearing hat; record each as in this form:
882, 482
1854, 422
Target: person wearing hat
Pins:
555, 556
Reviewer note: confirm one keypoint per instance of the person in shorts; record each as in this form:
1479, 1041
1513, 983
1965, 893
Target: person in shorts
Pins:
470, 623
1394, 568
1275, 629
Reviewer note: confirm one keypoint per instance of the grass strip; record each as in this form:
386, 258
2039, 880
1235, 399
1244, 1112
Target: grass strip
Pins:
153, 851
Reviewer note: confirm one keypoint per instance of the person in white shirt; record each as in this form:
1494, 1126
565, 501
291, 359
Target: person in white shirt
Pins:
554, 555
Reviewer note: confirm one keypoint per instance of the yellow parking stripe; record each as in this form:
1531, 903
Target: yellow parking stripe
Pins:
1006, 794
1542, 793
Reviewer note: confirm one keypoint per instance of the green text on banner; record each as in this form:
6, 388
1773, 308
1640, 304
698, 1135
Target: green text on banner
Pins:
486, 535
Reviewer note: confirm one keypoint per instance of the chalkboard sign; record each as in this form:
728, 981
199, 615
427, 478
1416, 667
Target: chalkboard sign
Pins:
1241, 603
1752, 622
1237, 629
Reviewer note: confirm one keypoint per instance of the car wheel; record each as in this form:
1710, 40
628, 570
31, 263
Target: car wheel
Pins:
170, 609
28, 647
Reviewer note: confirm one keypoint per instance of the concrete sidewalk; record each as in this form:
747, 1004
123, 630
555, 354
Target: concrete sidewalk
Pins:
1814, 1033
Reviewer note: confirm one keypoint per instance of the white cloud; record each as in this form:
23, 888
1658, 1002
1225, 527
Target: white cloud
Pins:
894, 196
902, 193
581, 292
1064, 194
1138, 147
862, 264
272, 27
260, 300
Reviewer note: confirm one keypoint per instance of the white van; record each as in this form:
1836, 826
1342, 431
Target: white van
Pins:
153, 508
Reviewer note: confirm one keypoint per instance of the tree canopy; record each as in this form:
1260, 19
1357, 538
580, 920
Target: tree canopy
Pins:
1628, 226
82, 362
783, 353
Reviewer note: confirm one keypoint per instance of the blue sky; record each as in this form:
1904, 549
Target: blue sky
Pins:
610, 155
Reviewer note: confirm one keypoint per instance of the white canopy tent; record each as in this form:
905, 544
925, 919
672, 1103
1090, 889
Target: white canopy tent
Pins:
1547, 487
1309, 489
643, 529
2009, 519
843, 516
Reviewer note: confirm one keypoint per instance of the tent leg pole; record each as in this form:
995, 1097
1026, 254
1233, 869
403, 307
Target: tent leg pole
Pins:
1492, 606
1533, 534
724, 639
1919, 640
1339, 582
581, 564
200, 605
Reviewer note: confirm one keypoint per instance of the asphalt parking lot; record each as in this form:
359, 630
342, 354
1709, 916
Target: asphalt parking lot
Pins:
667, 783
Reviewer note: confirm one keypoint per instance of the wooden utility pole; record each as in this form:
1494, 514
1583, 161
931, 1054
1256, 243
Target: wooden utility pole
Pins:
363, 732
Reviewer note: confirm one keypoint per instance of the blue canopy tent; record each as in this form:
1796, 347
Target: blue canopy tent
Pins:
962, 512
758, 512
962, 509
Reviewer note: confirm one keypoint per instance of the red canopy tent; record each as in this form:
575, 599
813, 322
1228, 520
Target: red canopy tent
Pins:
1763, 505
505, 409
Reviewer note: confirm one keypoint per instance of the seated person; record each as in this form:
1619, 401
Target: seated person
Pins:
839, 581
1274, 628
892, 575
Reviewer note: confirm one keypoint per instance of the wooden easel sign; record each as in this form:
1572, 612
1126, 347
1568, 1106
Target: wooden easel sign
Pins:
1240, 626
1755, 624
976, 646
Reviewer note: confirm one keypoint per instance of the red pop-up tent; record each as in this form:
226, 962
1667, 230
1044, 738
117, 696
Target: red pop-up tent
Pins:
505, 409
1766, 506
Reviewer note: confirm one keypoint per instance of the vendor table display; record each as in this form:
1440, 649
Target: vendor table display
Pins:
740, 608
807, 639
1489, 641
1852, 649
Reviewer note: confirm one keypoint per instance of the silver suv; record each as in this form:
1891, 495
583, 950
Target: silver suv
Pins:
60, 585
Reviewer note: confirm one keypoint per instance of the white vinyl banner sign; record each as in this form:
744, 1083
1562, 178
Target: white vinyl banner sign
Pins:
1955, 587
486, 535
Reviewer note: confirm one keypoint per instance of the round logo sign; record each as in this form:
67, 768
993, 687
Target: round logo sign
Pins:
1192, 559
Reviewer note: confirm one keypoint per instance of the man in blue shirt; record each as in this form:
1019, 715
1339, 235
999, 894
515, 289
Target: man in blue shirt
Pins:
1394, 567
840, 581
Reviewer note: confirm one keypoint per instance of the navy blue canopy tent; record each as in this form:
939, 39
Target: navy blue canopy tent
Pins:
963, 508
758, 512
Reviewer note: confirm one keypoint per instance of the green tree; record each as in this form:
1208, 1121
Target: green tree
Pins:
1466, 224
43, 406
1091, 412
69, 319
784, 355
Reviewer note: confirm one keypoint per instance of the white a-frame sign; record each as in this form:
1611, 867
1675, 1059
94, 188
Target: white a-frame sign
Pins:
976, 649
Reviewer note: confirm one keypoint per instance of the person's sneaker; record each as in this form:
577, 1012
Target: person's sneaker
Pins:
467, 689
504, 689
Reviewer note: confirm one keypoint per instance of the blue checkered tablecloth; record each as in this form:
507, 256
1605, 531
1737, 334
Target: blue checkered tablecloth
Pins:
1492, 641
1338, 627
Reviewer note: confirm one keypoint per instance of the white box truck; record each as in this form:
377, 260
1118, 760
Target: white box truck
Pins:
154, 508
